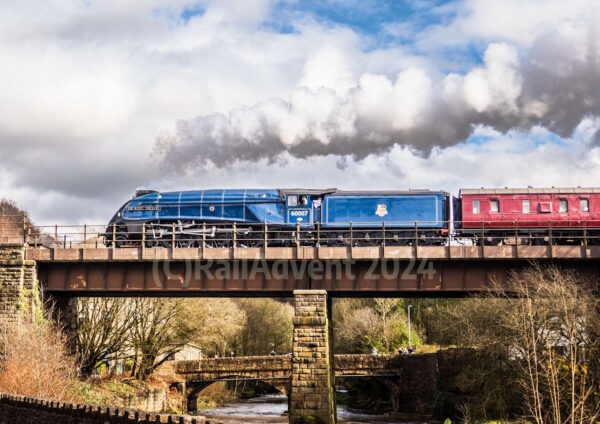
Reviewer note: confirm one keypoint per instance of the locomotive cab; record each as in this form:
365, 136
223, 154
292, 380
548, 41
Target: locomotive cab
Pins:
299, 209
304, 207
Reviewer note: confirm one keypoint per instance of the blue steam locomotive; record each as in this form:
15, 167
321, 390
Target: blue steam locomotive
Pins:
188, 218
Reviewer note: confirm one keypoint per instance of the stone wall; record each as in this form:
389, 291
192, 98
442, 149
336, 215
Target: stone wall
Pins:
431, 384
17, 279
24, 410
312, 397
153, 400
413, 391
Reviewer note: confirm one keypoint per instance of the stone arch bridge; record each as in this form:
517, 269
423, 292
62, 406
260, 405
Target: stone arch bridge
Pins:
277, 370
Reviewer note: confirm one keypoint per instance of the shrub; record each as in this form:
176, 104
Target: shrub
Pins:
36, 362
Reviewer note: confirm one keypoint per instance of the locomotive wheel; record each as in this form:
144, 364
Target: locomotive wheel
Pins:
157, 243
123, 241
186, 241
256, 243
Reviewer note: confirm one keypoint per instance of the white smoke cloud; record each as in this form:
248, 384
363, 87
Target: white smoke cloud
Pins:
493, 87
545, 84
514, 159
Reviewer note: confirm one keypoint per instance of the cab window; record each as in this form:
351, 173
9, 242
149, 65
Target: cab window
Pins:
494, 206
292, 200
563, 205
476, 206
526, 207
584, 205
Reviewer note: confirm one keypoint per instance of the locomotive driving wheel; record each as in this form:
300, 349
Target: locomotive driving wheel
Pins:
186, 243
157, 243
123, 241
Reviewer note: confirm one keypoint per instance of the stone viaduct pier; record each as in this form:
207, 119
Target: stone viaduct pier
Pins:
311, 275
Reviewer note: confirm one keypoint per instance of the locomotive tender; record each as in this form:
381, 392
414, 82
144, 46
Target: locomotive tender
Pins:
337, 217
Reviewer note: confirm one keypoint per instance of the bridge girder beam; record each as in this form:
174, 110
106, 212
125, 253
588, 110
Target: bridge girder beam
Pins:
276, 279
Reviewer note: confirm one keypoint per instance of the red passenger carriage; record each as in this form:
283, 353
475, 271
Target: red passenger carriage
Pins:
570, 212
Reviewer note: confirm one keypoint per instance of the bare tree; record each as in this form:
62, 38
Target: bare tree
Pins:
102, 330
538, 332
159, 330
390, 318
215, 323
268, 326
358, 332
363, 324
557, 317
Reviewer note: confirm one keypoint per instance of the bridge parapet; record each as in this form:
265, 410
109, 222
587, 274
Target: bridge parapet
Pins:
521, 252
367, 365
345, 365
235, 364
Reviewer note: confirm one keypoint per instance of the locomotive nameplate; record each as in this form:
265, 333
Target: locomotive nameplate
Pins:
143, 208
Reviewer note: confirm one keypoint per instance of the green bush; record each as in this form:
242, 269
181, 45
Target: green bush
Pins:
101, 368
204, 403
87, 393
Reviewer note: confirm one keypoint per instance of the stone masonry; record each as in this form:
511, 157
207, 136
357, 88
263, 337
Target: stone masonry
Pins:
24, 410
312, 397
17, 279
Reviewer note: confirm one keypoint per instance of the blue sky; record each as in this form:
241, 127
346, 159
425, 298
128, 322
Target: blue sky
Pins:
367, 17
176, 94
381, 24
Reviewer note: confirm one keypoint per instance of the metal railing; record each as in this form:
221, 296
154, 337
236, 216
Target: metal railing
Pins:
16, 229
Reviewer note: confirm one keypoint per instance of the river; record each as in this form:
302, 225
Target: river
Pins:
273, 409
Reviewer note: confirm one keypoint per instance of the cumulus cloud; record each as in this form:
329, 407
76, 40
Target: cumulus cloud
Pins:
102, 97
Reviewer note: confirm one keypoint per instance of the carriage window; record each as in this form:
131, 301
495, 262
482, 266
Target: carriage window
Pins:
562, 205
292, 200
494, 206
475, 206
526, 206
584, 205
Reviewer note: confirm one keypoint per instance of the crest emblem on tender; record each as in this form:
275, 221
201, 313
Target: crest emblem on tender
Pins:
381, 210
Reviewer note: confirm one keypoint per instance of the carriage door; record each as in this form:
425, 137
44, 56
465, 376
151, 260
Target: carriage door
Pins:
299, 210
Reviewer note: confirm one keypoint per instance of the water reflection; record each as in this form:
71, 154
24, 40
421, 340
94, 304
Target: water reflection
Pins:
273, 409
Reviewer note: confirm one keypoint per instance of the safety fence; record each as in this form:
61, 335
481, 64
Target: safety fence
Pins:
16, 229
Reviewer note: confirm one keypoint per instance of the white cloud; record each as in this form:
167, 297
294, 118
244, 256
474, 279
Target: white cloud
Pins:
514, 21
88, 86
495, 85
